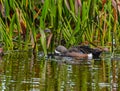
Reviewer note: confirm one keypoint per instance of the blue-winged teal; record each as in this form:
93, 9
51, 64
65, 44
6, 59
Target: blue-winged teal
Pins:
78, 52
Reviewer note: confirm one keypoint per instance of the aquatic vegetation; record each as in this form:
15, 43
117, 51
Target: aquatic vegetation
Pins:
22, 23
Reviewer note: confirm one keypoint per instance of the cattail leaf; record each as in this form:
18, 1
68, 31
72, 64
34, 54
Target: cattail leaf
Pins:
43, 41
7, 8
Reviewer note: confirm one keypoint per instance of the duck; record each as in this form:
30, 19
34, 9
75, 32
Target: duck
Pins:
78, 52
72, 52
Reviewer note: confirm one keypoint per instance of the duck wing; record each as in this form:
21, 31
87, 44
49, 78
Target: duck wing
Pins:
86, 49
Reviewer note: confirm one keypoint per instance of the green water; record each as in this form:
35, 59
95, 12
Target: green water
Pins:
22, 71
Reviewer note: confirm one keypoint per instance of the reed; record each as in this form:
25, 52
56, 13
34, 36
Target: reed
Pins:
22, 23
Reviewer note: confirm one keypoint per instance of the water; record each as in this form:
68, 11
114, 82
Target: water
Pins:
22, 71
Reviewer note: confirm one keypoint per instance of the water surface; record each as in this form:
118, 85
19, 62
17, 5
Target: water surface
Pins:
22, 71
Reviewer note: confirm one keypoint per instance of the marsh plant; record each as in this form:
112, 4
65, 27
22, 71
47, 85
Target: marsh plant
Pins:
44, 24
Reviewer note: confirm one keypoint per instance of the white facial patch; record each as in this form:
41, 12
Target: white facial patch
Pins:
57, 52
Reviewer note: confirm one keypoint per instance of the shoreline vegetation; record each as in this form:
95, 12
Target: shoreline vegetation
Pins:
45, 24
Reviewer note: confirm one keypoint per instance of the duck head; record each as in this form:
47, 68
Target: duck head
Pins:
60, 50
